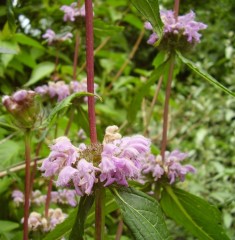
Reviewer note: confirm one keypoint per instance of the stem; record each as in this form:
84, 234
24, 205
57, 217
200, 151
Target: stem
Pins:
48, 197
176, 9
71, 117
75, 58
119, 230
90, 69
27, 184
131, 55
166, 107
99, 213
152, 105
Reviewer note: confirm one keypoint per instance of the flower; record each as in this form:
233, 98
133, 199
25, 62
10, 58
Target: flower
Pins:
63, 153
184, 26
51, 36
171, 166
121, 159
83, 177
72, 11
18, 197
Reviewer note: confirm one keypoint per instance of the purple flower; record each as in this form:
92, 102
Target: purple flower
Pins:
121, 159
18, 197
49, 35
72, 11
185, 25
63, 153
20, 96
42, 90
66, 196
83, 177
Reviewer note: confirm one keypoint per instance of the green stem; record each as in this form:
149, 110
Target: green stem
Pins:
27, 184
99, 213
166, 106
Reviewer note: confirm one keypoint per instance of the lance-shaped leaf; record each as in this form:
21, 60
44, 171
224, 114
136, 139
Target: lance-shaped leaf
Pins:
199, 217
65, 228
65, 103
142, 214
150, 10
84, 207
203, 74
143, 90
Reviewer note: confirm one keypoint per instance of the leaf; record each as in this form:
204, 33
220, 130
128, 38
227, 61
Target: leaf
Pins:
65, 103
81, 118
196, 215
26, 40
204, 74
6, 226
4, 184
84, 207
66, 227
142, 214
143, 91
40, 71
10, 16
150, 10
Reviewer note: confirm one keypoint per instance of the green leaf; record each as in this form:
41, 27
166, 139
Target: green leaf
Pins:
4, 184
84, 207
10, 16
81, 118
143, 90
26, 40
40, 71
150, 10
196, 215
142, 214
7, 226
65, 103
66, 227
204, 74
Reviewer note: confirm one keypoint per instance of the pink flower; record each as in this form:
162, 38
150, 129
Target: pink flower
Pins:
63, 153
72, 11
83, 177
121, 159
49, 35
18, 197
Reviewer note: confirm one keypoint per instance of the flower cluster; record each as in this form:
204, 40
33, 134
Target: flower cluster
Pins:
62, 196
24, 107
73, 11
116, 161
37, 222
182, 29
171, 166
51, 37
61, 90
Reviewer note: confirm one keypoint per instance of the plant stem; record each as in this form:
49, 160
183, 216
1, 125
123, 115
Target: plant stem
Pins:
71, 117
27, 184
119, 230
166, 107
48, 197
99, 213
176, 9
152, 105
90, 69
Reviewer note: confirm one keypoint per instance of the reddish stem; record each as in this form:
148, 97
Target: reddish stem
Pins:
176, 9
48, 197
90, 69
27, 184
166, 108
119, 230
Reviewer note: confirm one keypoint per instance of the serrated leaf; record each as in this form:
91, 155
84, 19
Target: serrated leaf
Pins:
66, 227
142, 214
199, 217
84, 207
150, 10
204, 74
65, 103
40, 71
143, 90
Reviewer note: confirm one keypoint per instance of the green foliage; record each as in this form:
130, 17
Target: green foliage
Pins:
196, 215
150, 10
84, 207
142, 214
